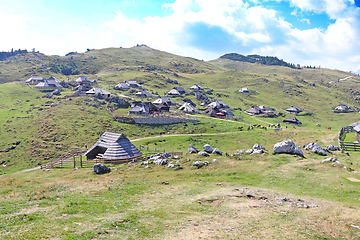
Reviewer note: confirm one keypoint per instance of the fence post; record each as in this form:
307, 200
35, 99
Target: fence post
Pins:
74, 160
81, 161
155, 150
61, 160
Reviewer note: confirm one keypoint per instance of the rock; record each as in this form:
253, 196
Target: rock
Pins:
333, 148
197, 163
329, 159
56, 92
12, 147
100, 168
249, 151
238, 152
192, 149
286, 146
257, 151
316, 148
48, 95
258, 146
213, 161
17, 142
54, 139
203, 153
298, 151
207, 148
145, 163
166, 155
216, 150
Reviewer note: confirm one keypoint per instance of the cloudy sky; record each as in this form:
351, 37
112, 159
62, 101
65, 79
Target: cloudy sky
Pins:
308, 32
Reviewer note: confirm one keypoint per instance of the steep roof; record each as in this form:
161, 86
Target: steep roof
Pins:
181, 90
292, 120
254, 110
97, 91
113, 145
48, 84
122, 85
167, 100
218, 104
244, 90
174, 92
34, 79
82, 79
211, 111
294, 109
143, 94
197, 87
187, 107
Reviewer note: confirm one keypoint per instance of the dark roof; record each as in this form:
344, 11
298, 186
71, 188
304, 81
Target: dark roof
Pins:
211, 111
294, 109
254, 110
186, 100
292, 120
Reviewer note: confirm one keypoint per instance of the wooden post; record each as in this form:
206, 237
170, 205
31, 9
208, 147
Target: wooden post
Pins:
61, 160
155, 150
81, 161
147, 148
74, 160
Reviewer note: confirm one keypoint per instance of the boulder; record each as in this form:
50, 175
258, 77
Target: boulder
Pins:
100, 168
249, 151
298, 151
332, 148
56, 92
257, 151
203, 153
316, 148
197, 163
49, 95
216, 150
258, 147
213, 161
192, 149
286, 146
207, 148
238, 152
166, 155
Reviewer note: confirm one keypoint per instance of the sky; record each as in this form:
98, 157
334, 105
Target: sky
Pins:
322, 33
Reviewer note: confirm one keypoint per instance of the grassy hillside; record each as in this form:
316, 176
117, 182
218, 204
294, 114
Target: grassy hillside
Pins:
238, 197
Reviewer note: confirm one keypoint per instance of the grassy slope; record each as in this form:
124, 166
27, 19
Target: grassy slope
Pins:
132, 197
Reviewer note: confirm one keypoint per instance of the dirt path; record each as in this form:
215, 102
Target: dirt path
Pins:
342, 79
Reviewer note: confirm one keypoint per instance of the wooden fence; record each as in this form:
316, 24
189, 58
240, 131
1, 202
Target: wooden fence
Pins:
347, 146
158, 150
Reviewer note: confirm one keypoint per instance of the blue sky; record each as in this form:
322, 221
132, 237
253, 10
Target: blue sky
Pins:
308, 32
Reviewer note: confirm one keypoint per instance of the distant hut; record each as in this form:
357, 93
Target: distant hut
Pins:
143, 94
98, 91
255, 110
227, 112
34, 80
292, 120
133, 84
187, 107
122, 86
342, 108
293, 110
174, 92
244, 90
162, 107
48, 85
186, 100
211, 111
140, 109
218, 104
196, 87
180, 90
83, 88
166, 100
82, 79
113, 145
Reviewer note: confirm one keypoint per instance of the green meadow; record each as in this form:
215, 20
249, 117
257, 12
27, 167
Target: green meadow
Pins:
265, 196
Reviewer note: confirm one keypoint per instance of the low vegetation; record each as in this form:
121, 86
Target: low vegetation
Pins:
238, 197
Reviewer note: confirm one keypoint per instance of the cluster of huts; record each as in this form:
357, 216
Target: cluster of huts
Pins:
215, 108
81, 86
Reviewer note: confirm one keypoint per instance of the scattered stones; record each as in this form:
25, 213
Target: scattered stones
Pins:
331, 159
249, 151
257, 151
100, 168
192, 149
216, 150
207, 148
333, 148
316, 148
258, 147
203, 153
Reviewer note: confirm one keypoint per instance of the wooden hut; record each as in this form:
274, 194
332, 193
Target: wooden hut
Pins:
292, 120
113, 145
